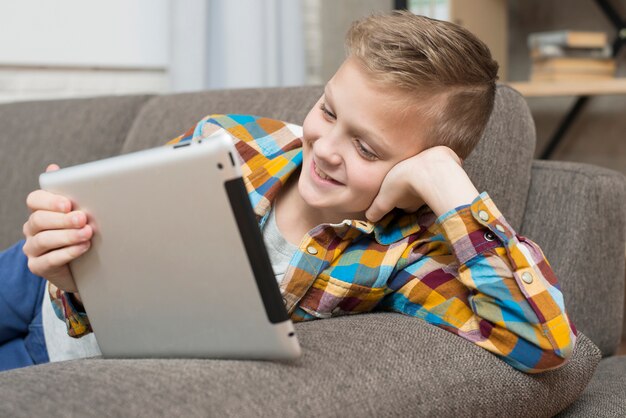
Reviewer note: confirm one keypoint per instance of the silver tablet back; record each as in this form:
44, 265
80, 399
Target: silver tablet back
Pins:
177, 267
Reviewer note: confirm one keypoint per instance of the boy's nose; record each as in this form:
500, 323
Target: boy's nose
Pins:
328, 148
326, 151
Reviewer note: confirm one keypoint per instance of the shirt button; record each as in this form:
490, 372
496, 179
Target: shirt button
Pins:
527, 277
500, 228
490, 236
284, 301
311, 250
483, 215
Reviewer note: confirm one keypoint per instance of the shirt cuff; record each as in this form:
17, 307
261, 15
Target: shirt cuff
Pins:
77, 322
475, 228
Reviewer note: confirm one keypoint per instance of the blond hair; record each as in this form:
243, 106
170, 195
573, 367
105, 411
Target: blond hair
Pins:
434, 60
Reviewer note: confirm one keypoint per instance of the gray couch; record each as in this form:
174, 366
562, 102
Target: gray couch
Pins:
372, 365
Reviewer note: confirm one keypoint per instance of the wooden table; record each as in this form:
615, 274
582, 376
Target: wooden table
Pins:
581, 88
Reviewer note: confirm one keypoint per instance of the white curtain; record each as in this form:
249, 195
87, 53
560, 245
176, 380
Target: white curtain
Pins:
236, 43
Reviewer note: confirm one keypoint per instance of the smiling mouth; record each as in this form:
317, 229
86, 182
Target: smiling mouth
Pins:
323, 175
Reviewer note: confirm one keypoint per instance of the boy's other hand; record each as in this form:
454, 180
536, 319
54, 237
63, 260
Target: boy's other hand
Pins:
434, 176
55, 235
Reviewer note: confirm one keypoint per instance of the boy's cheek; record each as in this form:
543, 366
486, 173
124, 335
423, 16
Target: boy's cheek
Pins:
312, 124
308, 137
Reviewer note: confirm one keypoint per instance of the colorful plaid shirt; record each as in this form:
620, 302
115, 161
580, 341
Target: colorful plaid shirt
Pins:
467, 271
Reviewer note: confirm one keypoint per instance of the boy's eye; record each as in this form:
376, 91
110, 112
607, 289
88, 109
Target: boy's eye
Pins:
327, 112
364, 152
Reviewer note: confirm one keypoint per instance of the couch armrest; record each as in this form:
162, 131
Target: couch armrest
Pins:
577, 214
368, 365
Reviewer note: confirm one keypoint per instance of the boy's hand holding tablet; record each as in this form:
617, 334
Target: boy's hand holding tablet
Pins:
55, 235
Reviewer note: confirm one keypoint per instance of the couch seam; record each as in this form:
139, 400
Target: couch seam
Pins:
613, 175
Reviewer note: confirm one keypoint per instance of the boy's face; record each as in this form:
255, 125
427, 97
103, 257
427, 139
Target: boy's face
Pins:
353, 136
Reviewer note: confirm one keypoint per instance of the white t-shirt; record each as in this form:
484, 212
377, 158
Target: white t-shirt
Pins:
279, 249
61, 346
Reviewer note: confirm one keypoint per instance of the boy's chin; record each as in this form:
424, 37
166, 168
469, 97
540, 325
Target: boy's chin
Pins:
323, 202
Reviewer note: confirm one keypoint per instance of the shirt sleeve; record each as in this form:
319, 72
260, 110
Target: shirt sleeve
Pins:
76, 321
490, 286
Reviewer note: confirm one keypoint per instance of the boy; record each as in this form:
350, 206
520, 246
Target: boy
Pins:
369, 207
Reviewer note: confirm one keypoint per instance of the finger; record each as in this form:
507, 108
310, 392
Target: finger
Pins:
456, 158
43, 200
47, 241
412, 208
60, 278
52, 167
43, 220
452, 154
379, 208
53, 265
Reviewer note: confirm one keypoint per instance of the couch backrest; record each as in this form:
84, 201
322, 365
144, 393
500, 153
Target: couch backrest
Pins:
577, 214
69, 132
165, 117
500, 164
65, 132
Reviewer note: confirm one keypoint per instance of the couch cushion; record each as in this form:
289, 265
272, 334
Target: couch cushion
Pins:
606, 394
369, 365
576, 213
66, 132
166, 117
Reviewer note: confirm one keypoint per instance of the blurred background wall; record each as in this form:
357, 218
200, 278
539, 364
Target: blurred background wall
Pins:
66, 48
70, 48
598, 135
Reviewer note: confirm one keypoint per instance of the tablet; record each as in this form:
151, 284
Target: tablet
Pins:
178, 266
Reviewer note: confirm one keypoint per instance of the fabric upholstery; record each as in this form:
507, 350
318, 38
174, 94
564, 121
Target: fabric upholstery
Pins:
577, 214
606, 394
169, 116
500, 164
370, 365
66, 132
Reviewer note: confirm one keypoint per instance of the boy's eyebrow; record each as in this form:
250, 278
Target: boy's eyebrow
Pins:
375, 141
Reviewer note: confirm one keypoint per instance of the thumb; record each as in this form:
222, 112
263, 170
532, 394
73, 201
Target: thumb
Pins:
377, 210
52, 167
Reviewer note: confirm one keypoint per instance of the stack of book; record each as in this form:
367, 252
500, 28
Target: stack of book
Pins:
570, 56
